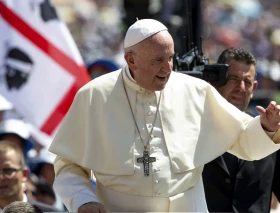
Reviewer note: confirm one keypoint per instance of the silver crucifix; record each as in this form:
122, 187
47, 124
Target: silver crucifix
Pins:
146, 159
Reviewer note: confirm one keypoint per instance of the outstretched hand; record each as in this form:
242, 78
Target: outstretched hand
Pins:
91, 207
270, 117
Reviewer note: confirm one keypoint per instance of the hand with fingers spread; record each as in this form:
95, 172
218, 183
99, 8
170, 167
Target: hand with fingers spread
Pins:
270, 117
91, 207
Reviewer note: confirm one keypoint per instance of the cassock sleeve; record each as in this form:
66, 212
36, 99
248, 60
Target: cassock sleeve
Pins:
72, 184
246, 148
253, 143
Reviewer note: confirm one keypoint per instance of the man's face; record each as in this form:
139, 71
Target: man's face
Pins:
240, 85
11, 188
154, 62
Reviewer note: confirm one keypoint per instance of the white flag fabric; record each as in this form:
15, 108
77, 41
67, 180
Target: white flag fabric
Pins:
5, 104
40, 66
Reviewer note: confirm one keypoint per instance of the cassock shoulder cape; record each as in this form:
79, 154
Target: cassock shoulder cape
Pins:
198, 125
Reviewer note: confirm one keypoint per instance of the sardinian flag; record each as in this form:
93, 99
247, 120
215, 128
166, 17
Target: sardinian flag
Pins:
40, 66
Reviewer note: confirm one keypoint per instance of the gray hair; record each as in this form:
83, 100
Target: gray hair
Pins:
23, 207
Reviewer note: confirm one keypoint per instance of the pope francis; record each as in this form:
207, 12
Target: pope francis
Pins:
145, 133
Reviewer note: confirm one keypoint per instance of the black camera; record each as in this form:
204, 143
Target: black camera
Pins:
197, 65
194, 62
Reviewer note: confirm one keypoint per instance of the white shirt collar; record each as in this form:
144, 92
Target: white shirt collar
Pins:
25, 198
128, 79
127, 71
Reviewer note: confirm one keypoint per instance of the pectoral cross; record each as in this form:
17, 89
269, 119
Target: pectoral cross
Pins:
146, 159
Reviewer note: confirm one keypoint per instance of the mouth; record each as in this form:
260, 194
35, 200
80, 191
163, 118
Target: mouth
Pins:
237, 99
3, 187
161, 77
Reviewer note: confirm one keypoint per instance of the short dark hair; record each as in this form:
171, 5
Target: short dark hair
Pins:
45, 189
237, 54
23, 207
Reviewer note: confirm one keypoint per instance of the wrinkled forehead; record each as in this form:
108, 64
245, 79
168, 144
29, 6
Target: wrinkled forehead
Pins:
240, 67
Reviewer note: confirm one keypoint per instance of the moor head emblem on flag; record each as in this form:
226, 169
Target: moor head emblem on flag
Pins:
41, 68
18, 67
47, 11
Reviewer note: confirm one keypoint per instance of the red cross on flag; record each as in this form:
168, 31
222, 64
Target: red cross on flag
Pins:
40, 66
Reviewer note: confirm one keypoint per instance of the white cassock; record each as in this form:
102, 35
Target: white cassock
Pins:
194, 126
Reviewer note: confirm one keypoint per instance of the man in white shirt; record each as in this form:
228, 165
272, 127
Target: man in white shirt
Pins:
146, 133
13, 176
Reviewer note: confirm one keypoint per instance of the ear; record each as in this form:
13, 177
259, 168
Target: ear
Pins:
130, 60
25, 173
255, 85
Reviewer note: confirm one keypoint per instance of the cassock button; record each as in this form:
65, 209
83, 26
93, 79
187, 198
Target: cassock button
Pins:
228, 180
150, 113
240, 176
156, 181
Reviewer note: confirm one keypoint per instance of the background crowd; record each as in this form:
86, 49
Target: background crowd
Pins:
98, 27
251, 24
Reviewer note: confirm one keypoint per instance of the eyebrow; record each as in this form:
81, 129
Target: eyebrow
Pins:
237, 76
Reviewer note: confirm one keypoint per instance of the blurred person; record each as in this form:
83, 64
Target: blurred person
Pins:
16, 131
13, 176
146, 133
100, 67
232, 184
40, 139
4, 106
22, 207
30, 185
44, 193
42, 166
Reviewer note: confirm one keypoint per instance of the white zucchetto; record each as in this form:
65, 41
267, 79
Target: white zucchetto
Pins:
141, 30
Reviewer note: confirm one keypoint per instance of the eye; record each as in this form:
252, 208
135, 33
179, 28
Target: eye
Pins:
8, 171
157, 61
232, 78
248, 83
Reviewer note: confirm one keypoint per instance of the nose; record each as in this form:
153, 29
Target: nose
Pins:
241, 86
168, 66
2, 175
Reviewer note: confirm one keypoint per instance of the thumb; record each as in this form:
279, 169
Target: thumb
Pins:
260, 110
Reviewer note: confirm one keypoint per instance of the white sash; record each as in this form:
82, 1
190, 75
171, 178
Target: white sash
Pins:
192, 200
